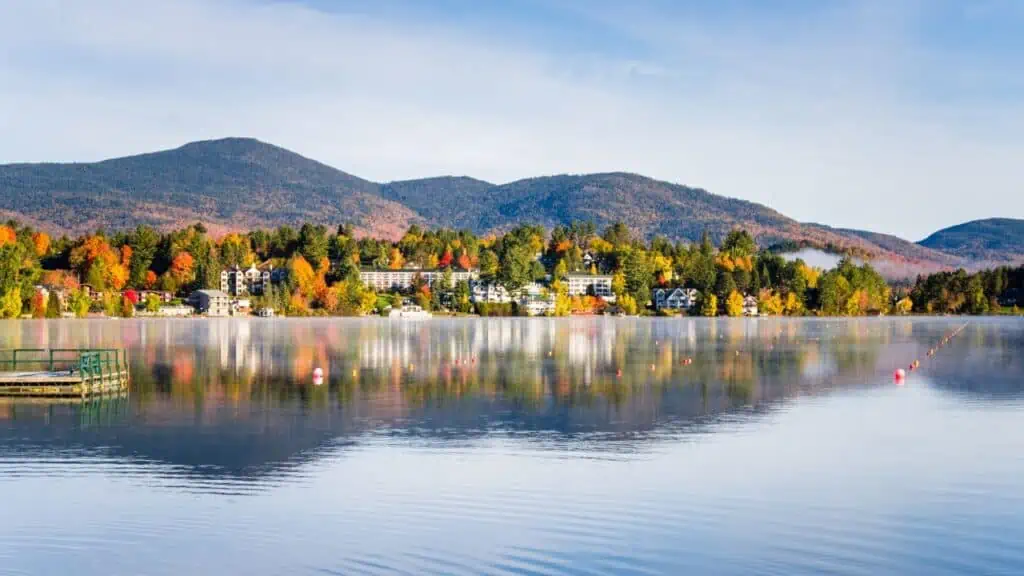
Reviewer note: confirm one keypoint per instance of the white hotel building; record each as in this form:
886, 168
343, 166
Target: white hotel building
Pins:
384, 280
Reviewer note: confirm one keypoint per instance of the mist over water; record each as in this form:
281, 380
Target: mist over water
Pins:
524, 446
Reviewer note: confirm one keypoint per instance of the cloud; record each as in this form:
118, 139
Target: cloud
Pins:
825, 114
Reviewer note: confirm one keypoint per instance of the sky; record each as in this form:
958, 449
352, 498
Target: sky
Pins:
896, 116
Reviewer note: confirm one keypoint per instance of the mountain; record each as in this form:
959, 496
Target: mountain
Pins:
234, 183
994, 239
241, 183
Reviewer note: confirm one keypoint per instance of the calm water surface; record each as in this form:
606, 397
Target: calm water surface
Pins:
524, 446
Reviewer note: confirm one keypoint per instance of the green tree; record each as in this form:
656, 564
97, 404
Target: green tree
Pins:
739, 243
516, 267
53, 307
709, 305
488, 265
152, 303
79, 303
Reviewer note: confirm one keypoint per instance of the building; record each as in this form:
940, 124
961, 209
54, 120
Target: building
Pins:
749, 305
491, 293
591, 285
535, 301
387, 280
238, 282
211, 302
175, 311
675, 299
266, 313
241, 306
161, 295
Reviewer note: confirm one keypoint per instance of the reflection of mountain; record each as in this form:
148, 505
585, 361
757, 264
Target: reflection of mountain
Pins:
232, 400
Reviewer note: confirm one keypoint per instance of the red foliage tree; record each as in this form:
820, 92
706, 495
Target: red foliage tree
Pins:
132, 296
446, 259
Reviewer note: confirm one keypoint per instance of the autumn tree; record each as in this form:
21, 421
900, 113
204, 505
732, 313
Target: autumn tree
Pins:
734, 304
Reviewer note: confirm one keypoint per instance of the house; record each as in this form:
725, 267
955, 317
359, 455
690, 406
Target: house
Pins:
161, 296
387, 280
675, 299
536, 303
266, 313
490, 292
238, 282
749, 305
591, 285
241, 306
211, 302
174, 311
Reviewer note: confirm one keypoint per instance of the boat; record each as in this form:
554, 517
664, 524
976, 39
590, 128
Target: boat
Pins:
409, 311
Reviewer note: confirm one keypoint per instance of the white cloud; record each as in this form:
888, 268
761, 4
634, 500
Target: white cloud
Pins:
814, 114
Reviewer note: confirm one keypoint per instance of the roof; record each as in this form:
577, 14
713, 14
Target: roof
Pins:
213, 293
594, 276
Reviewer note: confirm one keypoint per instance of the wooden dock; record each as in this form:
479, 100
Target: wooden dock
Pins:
63, 373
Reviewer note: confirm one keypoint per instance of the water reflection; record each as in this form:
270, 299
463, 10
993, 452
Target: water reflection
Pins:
236, 399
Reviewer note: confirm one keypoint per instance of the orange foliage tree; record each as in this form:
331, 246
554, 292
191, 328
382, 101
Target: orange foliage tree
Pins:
7, 235
41, 242
182, 268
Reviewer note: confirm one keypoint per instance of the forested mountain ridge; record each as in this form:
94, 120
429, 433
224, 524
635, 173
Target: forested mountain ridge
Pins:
990, 239
242, 183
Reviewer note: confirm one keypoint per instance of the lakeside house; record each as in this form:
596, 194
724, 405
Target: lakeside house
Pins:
675, 299
591, 285
179, 311
749, 305
535, 300
211, 302
403, 279
238, 282
490, 293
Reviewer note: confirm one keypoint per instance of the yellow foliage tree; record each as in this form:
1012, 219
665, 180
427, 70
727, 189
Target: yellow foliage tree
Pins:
904, 306
734, 304
304, 276
770, 303
793, 306
810, 275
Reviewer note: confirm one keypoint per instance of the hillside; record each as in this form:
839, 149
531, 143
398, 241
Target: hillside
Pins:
233, 183
994, 239
239, 183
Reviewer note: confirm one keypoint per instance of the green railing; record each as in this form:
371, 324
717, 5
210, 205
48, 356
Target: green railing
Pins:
90, 362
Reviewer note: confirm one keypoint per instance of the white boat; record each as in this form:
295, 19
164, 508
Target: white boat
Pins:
410, 311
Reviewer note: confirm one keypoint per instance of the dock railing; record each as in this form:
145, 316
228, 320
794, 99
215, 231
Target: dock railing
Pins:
89, 362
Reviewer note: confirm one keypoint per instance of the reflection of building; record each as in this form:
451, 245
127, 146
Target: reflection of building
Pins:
591, 284
383, 280
211, 302
252, 281
677, 299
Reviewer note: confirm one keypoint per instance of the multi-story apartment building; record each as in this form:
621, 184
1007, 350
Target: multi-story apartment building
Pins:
384, 280
238, 282
591, 284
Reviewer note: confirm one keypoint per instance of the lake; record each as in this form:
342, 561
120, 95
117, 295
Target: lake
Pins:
524, 446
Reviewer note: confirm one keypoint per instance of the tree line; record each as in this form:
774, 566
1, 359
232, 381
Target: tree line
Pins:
322, 271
